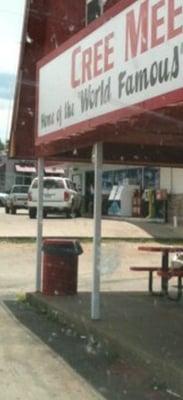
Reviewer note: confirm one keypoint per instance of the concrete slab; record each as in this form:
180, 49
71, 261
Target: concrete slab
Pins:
30, 370
148, 328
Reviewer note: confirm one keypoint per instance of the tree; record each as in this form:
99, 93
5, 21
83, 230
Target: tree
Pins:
2, 145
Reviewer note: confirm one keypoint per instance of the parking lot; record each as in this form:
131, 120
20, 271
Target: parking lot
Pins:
18, 259
20, 225
119, 250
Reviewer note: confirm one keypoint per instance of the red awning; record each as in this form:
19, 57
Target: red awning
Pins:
25, 169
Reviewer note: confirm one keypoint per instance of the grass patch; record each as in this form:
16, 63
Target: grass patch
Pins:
21, 297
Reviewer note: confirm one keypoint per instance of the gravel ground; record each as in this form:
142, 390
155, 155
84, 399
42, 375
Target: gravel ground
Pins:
18, 267
96, 372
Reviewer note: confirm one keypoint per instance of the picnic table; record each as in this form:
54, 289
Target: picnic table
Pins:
163, 270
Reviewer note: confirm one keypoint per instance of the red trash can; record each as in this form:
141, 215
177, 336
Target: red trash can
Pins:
60, 266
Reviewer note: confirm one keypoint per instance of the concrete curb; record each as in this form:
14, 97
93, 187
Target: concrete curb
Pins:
90, 239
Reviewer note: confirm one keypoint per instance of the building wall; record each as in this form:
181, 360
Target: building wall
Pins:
49, 24
2, 172
9, 176
63, 19
172, 180
175, 208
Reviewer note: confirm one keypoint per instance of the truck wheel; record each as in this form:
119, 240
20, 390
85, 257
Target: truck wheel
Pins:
73, 210
68, 214
78, 213
13, 210
44, 213
7, 210
32, 213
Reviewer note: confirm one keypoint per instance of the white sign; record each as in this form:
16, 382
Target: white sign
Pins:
137, 55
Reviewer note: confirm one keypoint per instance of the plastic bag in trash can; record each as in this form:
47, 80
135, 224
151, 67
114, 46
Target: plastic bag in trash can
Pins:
62, 247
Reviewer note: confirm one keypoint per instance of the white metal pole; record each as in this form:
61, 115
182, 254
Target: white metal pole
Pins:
101, 7
39, 223
95, 301
143, 178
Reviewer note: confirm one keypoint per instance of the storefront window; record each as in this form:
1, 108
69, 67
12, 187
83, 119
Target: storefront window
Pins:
107, 181
147, 177
151, 178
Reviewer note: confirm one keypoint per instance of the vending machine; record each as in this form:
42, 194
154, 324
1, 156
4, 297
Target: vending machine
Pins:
120, 200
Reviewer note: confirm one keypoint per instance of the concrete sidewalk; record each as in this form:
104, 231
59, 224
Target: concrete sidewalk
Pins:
29, 368
147, 328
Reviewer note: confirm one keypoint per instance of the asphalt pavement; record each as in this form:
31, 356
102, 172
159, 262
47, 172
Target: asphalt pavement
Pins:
20, 225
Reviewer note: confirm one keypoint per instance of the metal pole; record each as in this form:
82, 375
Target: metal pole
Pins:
86, 13
39, 223
95, 302
143, 179
101, 7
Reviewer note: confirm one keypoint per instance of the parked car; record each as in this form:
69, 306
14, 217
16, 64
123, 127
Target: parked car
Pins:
16, 199
59, 195
3, 197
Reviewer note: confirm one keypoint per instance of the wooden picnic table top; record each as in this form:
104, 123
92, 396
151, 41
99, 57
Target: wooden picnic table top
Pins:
168, 249
171, 272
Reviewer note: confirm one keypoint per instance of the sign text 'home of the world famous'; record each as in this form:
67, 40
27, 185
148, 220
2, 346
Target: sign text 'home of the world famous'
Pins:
133, 57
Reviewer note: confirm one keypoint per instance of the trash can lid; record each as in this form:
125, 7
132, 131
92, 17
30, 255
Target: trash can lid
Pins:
62, 247
59, 241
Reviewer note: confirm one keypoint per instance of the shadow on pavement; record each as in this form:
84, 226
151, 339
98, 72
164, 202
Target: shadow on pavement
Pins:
115, 377
112, 375
151, 229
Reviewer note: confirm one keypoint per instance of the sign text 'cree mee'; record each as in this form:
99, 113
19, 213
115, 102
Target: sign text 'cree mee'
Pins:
135, 56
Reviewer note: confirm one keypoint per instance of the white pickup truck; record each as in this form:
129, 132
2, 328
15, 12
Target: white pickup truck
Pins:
17, 199
3, 197
59, 195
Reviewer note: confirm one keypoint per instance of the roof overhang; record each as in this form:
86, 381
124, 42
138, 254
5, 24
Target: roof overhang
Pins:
147, 115
148, 133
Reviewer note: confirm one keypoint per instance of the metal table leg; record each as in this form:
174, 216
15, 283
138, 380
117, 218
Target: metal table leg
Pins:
164, 280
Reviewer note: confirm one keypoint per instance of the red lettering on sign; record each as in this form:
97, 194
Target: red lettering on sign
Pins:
136, 32
87, 65
108, 52
156, 23
97, 69
92, 61
151, 25
172, 14
74, 82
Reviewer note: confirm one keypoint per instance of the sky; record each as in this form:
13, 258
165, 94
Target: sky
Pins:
11, 20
